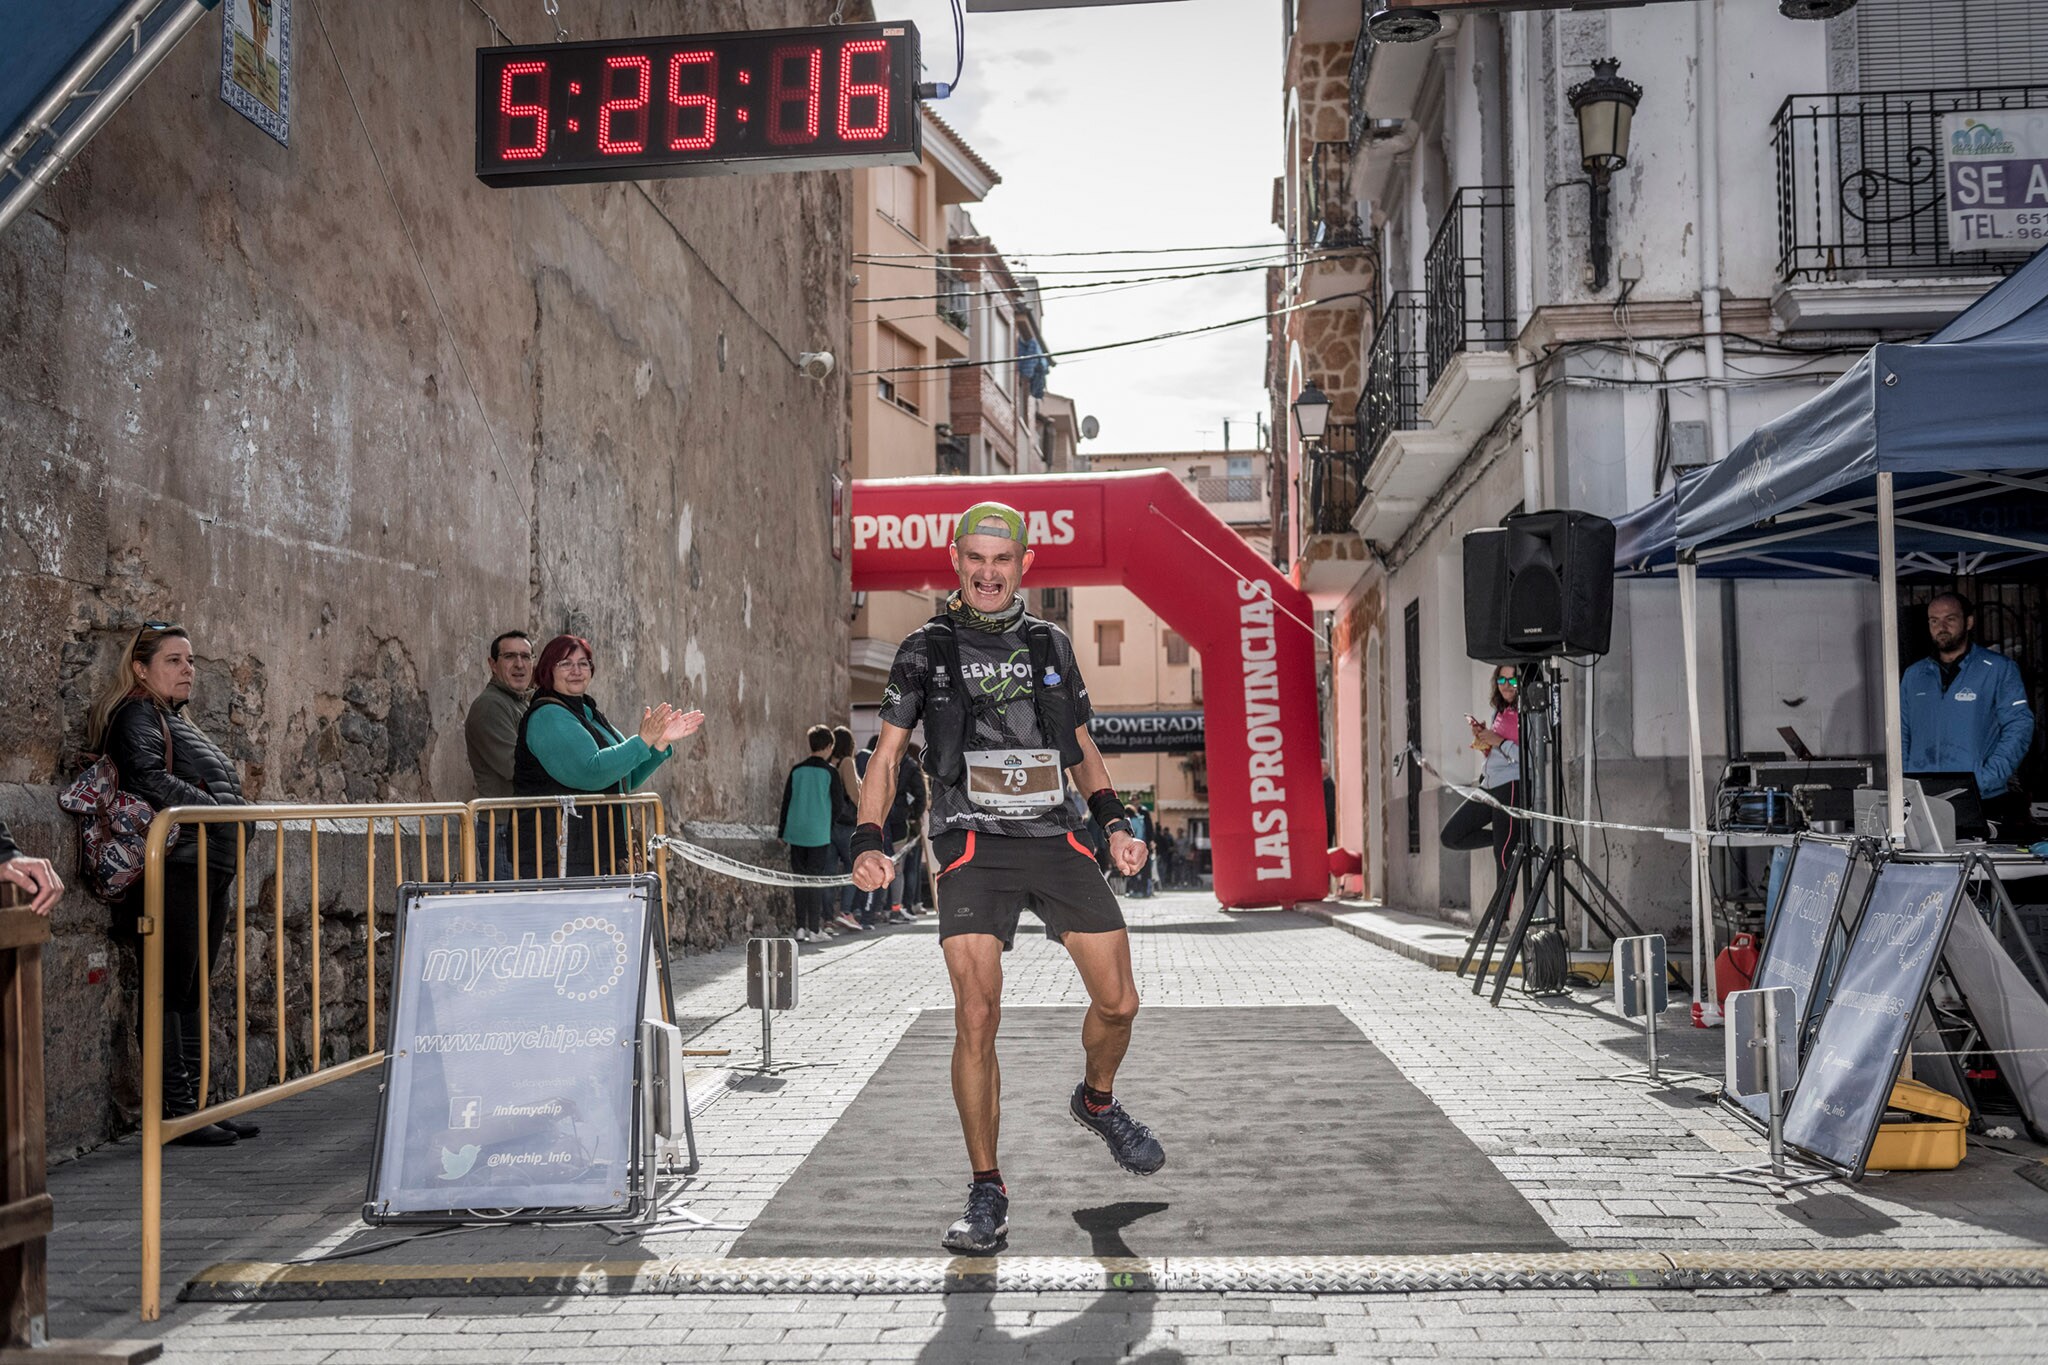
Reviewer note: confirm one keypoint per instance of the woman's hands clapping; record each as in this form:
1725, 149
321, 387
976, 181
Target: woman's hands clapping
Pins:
661, 726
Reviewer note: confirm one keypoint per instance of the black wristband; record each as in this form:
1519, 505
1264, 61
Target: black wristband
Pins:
1106, 806
868, 839
1120, 825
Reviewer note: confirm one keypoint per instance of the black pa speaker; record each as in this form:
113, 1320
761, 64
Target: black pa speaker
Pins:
1540, 584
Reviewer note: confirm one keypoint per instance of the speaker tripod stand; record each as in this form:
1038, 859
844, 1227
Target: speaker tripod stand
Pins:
1549, 872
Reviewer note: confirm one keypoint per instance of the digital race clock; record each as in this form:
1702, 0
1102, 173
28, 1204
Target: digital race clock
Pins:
705, 104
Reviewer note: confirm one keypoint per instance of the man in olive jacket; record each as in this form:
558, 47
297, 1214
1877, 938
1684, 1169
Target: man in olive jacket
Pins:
492, 725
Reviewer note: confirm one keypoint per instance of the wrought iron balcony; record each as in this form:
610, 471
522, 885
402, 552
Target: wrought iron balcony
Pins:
1333, 222
1396, 373
1361, 67
1333, 477
1863, 182
1468, 277
952, 453
955, 305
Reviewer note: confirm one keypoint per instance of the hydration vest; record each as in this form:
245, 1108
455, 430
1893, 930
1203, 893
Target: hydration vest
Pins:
950, 708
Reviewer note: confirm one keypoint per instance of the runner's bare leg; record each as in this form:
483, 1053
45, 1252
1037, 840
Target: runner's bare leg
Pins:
1104, 961
975, 964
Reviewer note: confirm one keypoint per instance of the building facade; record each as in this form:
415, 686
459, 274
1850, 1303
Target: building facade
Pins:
1534, 343
346, 413
949, 364
1133, 661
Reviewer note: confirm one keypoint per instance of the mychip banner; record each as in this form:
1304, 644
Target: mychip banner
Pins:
509, 1076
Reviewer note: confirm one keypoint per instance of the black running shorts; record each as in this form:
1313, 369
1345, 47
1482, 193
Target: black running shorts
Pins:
987, 880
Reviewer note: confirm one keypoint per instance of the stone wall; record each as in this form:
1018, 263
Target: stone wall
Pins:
346, 413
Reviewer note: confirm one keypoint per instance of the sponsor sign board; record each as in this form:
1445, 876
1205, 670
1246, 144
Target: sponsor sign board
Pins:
1795, 950
509, 1076
1997, 165
1884, 976
1147, 732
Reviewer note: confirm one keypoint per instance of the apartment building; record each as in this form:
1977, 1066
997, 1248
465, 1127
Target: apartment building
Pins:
1136, 665
955, 345
1550, 322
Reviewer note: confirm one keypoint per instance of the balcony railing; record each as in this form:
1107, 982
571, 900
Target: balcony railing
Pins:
1361, 67
1230, 488
1333, 222
1468, 276
1863, 182
1334, 480
952, 454
1396, 373
955, 304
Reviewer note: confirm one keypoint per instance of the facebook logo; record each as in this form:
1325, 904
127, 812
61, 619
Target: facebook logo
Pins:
466, 1111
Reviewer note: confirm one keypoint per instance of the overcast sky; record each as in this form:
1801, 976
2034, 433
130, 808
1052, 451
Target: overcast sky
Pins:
1139, 125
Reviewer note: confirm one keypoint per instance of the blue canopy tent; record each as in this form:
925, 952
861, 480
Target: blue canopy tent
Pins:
65, 69
1928, 459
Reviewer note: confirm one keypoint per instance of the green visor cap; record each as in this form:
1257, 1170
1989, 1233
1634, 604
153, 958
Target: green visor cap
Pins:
993, 519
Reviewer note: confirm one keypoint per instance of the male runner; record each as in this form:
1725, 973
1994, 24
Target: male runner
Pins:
1004, 711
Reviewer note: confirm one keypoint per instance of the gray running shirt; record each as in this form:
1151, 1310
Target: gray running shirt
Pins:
999, 667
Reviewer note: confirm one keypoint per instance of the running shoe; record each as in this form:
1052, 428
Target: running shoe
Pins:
1130, 1141
985, 1227
848, 923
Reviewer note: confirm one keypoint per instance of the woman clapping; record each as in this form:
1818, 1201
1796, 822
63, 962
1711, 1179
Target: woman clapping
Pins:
568, 748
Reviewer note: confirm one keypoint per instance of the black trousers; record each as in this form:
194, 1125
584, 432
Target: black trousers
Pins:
184, 985
1475, 824
812, 902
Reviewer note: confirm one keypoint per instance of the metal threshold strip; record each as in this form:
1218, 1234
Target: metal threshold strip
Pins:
262, 1281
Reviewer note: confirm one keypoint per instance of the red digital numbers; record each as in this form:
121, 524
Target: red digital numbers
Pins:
630, 105
706, 99
851, 90
805, 94
696, 104
510, 110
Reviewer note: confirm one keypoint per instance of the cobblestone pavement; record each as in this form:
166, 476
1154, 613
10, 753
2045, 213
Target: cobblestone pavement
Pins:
1609, 1166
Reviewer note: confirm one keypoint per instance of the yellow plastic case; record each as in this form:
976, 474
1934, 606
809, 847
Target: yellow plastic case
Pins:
1932, 1142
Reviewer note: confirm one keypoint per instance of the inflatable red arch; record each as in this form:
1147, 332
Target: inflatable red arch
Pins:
1145, 530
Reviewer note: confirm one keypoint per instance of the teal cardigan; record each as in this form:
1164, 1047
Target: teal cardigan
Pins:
572, 757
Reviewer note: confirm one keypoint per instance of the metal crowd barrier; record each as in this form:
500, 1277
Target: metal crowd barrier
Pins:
534, 824
417, 833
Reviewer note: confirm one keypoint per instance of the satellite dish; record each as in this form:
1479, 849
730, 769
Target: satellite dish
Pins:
1090, 428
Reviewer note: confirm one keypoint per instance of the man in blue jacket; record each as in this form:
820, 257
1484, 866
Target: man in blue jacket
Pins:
1964, 708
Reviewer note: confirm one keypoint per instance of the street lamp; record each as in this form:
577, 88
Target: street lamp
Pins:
1312, 413
1606, 108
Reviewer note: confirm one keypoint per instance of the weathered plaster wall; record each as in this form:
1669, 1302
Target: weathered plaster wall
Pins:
346, 413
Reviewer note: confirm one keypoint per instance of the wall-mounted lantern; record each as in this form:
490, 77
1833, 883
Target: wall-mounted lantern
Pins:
1606, 108
1312, 413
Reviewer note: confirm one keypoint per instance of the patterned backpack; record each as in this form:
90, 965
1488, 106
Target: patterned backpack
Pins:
113, 826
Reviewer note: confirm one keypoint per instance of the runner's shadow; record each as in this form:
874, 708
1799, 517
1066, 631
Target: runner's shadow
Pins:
1108, 1329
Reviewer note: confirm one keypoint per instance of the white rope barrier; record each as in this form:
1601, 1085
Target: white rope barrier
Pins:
713, 861
1480, 794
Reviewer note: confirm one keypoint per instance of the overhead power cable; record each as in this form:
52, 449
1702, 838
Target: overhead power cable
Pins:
1061, 288
1102, 251
1018, 266
1117, 345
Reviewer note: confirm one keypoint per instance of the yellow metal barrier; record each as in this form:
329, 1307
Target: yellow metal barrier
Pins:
417, 833
535, 826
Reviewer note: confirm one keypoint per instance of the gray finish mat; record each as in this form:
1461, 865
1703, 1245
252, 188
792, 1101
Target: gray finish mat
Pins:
1286, 1132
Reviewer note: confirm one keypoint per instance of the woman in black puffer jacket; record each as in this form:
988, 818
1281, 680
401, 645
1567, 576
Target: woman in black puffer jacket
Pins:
139, 721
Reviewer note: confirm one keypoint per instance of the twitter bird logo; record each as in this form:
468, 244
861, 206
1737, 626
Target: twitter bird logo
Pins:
455, 1165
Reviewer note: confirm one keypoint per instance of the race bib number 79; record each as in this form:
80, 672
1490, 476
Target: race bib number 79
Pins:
1013, 783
